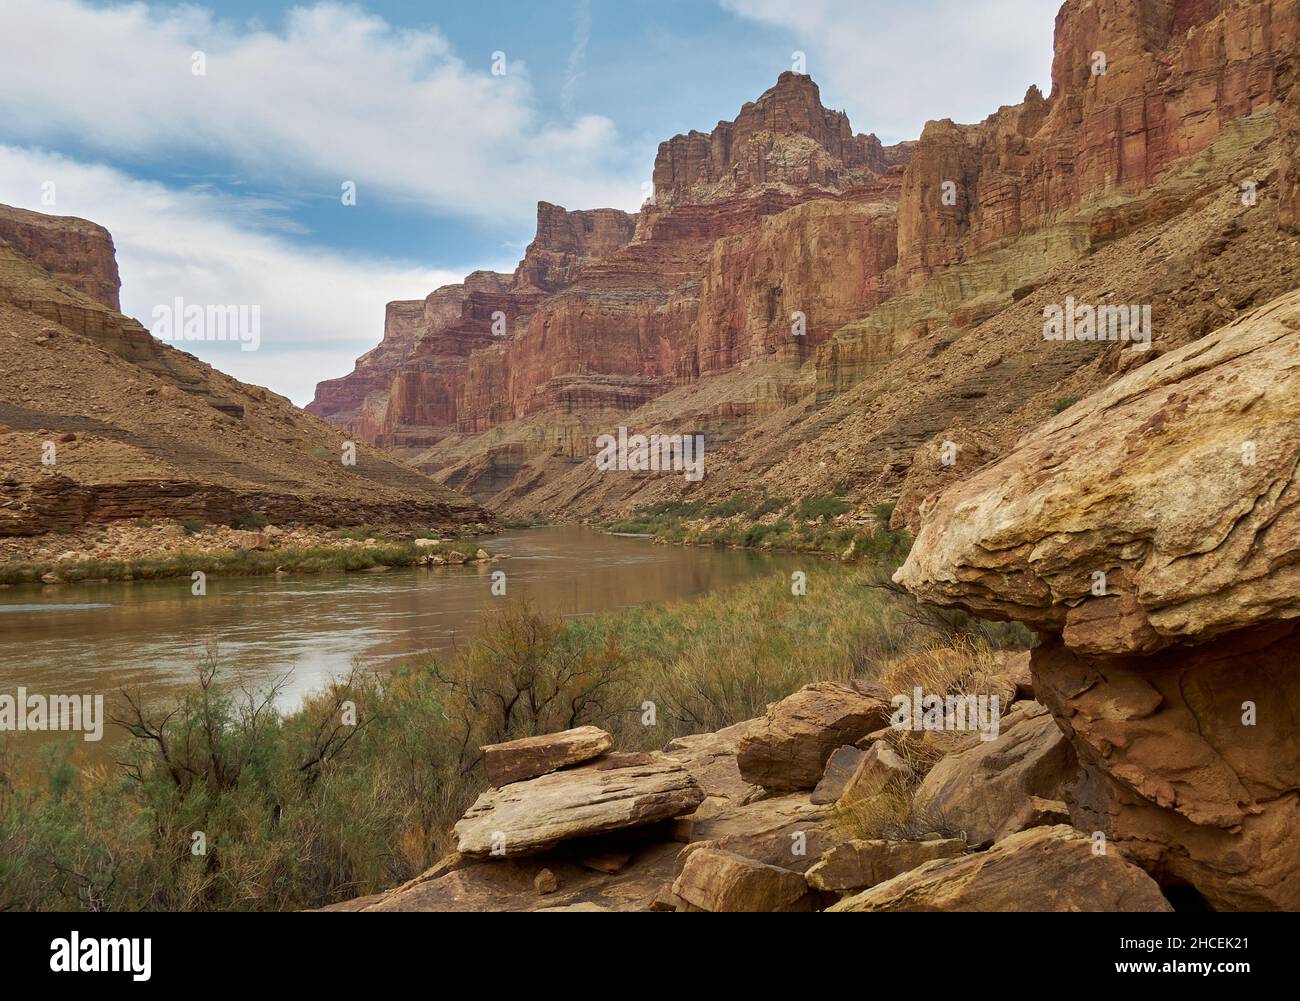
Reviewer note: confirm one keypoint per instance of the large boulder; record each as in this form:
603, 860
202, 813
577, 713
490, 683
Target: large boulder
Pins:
618, 791
530, 757
1177, 482
1043, 869
720, 881
789, 831
1151, 533
987, 790
788, 748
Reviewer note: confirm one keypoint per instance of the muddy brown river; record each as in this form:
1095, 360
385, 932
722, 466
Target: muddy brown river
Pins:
147, 636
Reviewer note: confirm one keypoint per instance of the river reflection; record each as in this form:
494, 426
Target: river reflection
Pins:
147, 636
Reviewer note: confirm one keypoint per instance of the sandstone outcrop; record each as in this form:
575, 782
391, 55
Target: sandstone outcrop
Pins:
859, 865
530, 757
616, 792
1150, 532
1192, 759
791, 746
987, 790
682, 831
1044, 869
719, 881
1103, 489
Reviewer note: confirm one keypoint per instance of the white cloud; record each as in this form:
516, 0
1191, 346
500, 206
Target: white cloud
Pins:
333, 94
894, 66
320, 309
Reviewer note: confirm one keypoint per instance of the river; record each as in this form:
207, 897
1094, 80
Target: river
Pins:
147, 636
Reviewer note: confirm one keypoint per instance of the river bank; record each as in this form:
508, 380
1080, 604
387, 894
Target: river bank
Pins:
302, 809
822, 525
161, 549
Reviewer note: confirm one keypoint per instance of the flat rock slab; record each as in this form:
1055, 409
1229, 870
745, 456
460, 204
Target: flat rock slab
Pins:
529, 757
615, 792
789, 832
1044, 869
711, 759
520, 885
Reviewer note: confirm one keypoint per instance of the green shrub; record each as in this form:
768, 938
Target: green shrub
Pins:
306, 809
249, 520
769, 505
729, 508
822, 507
363, 532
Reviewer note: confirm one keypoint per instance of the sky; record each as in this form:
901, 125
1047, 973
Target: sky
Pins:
215, 140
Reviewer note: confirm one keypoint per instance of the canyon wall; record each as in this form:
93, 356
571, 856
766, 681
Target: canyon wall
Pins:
1136, 86
785, 263
101, 422
72, 251
608, 311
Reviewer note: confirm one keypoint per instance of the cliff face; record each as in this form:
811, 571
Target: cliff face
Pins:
99, 421
785, 137
1136, 86
72, 251
609, 311
821, 307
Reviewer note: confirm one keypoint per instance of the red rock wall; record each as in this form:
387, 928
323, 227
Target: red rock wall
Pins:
825, 259
1289, 191
1175, 71
750, 151
786, 209
566, 240
73, 251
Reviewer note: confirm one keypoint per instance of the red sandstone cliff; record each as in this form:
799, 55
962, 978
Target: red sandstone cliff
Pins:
73, 251
790, 277
608, 311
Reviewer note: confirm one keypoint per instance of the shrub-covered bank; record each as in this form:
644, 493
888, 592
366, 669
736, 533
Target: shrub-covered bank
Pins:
356, 792
249, 554
821, 524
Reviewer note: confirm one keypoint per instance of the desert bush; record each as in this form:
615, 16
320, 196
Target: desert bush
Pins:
249, 520
822, 507
305, 809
